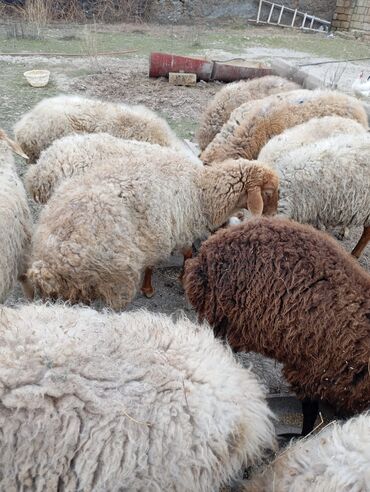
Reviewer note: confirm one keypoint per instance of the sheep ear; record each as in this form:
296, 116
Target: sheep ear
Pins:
15, 147
255, 201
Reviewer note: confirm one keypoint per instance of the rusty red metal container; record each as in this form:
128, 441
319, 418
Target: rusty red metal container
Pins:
161, 64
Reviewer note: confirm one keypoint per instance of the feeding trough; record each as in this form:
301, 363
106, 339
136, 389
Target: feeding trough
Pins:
161, 64
37, 78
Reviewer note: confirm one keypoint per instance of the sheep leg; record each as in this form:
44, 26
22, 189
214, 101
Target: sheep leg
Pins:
364, 239
147, 288
310, 409
187, 253
27, 287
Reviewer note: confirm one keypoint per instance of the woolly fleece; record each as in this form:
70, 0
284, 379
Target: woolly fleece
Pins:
129, 402
234, 95
312, 131
252, 125
15, 224
100, 230
291, 293
56, 117
75, 154
334, 460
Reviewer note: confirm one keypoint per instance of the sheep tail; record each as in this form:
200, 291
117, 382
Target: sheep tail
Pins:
195, 283
43, 278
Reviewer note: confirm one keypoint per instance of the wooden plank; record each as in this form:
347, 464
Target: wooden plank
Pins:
312, 21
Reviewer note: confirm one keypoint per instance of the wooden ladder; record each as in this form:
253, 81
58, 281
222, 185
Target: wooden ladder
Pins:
306, 21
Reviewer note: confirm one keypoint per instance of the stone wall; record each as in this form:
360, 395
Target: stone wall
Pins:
352, 14
187, 11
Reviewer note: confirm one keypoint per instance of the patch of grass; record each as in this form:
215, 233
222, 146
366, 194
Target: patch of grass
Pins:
184, 128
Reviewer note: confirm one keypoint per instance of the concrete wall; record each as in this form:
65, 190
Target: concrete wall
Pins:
352, 14
186, 11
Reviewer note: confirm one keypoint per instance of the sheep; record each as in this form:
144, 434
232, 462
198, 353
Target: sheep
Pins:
326, 184
136, 401
252, 125
75, 154
55, 117
15, 222
234, 95
310, 132
291, 293
336, 459
101, 230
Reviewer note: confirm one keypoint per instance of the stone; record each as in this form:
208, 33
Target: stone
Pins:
182, 78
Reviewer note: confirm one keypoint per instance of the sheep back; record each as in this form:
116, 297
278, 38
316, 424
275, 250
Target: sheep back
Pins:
15, 224
59, 116
309, 132
252, 125
92, 401
232, 96
74, 155
337, 458
290, 293
325, 183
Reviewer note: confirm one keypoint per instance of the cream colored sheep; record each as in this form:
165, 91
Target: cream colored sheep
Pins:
75, 154
334, 460
326, 184
59, 116
252, 125
312, 131
101, 230
234, 95
15, 222
136, 401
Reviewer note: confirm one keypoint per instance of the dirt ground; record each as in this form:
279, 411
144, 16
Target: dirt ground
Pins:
125, 79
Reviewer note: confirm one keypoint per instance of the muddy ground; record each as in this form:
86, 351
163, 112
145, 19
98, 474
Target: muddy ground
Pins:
125, 79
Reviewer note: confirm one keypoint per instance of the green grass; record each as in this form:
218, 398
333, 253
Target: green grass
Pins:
236, 40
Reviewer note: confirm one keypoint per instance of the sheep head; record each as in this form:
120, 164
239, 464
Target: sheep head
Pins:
15, 147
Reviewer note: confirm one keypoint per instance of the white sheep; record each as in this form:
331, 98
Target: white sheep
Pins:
234, 95
59, 116
101, 230
310, 132
326, 184
253, 124
75, 154
15, 222
136, 401
336, 459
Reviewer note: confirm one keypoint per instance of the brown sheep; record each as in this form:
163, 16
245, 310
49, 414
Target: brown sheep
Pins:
291, 293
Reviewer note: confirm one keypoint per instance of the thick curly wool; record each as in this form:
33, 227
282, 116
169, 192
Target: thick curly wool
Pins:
15, 224
75, 154
291, 293
234, 95
336, 459
59, 116
100, 230
326, 184
253, 124
126, 402
312, 131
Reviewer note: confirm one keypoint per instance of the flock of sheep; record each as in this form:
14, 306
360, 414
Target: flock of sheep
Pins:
135, 401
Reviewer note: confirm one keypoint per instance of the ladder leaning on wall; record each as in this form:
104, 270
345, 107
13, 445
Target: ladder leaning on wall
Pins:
307, 23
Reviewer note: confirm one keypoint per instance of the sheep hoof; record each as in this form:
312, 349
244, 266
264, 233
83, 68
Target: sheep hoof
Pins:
148, 293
